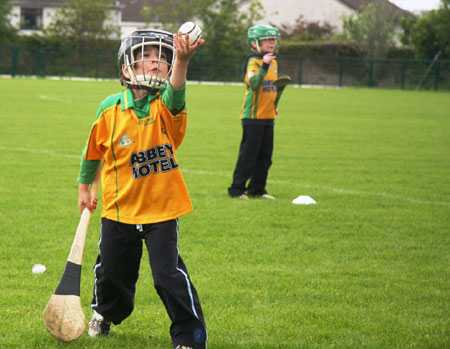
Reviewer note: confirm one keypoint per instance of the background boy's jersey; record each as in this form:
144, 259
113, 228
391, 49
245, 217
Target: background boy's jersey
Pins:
141, 179
259, 98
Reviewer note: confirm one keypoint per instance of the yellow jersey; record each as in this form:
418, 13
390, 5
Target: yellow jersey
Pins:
259, 98
141, 179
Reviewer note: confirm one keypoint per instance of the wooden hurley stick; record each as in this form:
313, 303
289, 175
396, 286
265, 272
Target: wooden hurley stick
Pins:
63, 315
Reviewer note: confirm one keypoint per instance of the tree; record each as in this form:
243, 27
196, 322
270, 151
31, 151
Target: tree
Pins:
83, 23
407, 25
303, 30
372, 28
7, 31
224, 22
429, 32
227, 24
170, 14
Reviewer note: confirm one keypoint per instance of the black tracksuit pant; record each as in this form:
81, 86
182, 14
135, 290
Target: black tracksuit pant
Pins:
254, 160
117, 271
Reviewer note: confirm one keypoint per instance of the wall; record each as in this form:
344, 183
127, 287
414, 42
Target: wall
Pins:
287, 11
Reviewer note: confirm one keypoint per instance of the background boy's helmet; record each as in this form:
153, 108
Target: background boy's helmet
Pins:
136, 42
262, 31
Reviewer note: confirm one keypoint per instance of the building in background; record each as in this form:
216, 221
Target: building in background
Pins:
31, 16
322, 11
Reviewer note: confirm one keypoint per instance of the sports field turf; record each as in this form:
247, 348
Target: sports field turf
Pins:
367, 267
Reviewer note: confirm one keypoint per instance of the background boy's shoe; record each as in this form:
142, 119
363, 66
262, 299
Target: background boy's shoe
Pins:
182, 347
264, 196
241, 196
98, 326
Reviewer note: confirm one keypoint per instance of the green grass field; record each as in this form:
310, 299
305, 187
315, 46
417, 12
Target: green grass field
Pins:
367, 267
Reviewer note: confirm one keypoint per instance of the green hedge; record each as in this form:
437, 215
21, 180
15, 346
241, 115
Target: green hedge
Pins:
336, 49
39, 41
320, 49
294, 48
401, 53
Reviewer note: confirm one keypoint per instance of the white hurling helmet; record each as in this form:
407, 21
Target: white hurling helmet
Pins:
136, 42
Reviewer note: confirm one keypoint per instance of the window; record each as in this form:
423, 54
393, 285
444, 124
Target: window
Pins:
30, 18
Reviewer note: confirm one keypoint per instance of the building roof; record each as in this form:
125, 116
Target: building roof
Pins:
356, 4
131, 10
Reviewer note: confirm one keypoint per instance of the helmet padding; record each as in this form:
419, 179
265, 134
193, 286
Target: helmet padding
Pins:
137, 42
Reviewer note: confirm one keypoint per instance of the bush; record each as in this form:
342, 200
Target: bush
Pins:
320, 49
400, 53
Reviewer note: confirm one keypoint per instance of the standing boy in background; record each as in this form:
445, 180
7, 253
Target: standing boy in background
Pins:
136, 133
258, 115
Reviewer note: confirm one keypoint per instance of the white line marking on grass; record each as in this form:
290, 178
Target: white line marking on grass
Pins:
332, 189
41, 151
206, 173
278, 182
62, 100
363, 193
52, 99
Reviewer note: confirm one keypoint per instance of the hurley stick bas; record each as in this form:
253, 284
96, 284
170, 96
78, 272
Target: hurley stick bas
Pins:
280, 84
63, 315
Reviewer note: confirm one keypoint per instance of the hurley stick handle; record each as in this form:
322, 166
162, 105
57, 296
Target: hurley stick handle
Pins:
79, 241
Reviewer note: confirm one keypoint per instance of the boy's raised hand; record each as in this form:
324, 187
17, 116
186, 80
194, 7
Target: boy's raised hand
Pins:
268, 58
184, 50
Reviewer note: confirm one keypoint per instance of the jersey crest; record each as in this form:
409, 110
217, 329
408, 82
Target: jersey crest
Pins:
125, 141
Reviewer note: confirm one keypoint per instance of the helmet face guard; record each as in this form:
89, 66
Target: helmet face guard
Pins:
262, 32
136, 43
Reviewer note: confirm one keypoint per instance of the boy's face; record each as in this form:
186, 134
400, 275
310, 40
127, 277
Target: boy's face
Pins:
268, 45
265, 45
147, 62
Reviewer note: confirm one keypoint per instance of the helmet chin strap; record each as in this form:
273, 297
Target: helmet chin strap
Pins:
130, 71
257, 46
151, 91
150, 81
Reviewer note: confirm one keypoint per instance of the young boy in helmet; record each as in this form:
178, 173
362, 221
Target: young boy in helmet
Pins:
258, 115
136, 134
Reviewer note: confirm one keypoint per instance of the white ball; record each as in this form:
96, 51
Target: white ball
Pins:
38, 269
193, 30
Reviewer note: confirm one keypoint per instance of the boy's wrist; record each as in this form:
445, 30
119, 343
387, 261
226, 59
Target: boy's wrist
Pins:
172, 89
83, 187
181, 62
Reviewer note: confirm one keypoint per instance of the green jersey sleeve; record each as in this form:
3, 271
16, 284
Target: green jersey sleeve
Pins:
88, 169
175, 100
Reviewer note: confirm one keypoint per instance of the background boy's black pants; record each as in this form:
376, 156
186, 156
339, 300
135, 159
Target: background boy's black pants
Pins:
117, 271
255, 158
